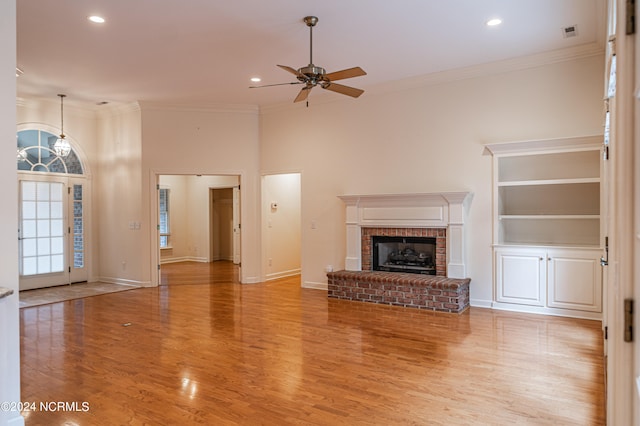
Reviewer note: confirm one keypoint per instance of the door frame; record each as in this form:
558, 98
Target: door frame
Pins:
154, 181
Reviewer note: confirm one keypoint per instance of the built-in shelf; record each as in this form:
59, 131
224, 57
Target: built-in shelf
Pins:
547, 234
549, 182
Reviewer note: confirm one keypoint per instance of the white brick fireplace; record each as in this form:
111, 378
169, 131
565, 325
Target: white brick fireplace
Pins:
419, 210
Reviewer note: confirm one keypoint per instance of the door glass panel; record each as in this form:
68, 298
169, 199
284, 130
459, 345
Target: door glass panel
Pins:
29, 247
42, 228
78, 227
28, 229
29, 266
28, 209
43, 246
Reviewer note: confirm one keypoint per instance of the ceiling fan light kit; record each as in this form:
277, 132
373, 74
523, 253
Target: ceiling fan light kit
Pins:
313, 75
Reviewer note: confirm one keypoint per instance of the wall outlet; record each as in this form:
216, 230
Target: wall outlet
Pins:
328, 268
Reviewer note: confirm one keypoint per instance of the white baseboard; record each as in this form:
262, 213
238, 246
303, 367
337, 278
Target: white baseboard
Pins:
479, 303
541, 310
282, 274
183, 259
250, 280
315, 285
122, 281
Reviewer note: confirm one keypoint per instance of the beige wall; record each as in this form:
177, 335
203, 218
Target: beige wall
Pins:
427, 138
123, 230
281, 225
209, 141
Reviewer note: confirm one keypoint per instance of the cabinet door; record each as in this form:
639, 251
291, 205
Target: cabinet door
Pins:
521, 276
575, 280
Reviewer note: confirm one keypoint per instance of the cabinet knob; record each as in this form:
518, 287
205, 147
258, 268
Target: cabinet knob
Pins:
541, 259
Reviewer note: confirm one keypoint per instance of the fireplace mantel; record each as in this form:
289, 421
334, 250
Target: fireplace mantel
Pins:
417, 210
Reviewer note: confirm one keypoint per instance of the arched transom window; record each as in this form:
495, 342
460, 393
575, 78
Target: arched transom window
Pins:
36, 154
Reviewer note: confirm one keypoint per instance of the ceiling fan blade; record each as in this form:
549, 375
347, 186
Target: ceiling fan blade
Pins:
344, 90
292, 71
348, 73
304, 94
277, 84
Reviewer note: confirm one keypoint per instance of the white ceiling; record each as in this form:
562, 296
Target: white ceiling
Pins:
203, 52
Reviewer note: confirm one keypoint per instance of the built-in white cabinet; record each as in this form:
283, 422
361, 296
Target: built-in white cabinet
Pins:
574, 279
557, 280
547, 226
521, 276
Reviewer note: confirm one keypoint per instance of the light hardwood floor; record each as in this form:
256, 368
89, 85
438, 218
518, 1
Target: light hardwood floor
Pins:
190, 352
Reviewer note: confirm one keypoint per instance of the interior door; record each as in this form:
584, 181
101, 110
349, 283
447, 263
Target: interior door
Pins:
51, 211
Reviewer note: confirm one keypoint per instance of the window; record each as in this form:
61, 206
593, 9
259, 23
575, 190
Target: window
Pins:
163, 194
36, 154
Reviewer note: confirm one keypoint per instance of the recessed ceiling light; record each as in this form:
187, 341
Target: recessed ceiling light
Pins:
256, 79
493, 22
97, 19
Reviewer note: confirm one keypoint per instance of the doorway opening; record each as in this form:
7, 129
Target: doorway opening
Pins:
199, 220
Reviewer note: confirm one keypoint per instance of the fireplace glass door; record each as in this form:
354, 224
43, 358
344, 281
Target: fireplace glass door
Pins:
414, 255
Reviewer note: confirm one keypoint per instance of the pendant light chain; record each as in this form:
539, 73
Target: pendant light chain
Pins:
62, 147
62, 115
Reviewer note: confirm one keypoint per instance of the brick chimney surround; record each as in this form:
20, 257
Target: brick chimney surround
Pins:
439, 214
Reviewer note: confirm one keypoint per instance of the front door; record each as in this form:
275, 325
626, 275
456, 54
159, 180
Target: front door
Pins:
51, 231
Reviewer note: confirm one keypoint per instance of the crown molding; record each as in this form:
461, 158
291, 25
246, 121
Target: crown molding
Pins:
120, 109
75, 108
207, 108
492, 68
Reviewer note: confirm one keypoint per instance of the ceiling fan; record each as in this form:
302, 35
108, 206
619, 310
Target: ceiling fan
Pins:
312, 75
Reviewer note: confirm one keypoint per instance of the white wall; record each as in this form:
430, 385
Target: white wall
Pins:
281, 227
210, 141
9, 310
425, 139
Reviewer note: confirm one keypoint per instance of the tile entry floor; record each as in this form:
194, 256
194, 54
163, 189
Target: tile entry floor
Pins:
43, 296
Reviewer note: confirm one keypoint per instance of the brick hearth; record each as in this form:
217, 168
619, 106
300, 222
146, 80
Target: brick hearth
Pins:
429, 292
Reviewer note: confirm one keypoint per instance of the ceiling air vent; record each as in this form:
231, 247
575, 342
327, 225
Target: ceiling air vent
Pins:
571, 31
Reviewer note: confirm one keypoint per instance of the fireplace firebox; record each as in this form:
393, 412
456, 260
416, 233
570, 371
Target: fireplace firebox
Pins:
414, 255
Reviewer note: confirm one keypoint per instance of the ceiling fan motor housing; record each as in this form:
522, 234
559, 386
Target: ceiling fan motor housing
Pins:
311, 73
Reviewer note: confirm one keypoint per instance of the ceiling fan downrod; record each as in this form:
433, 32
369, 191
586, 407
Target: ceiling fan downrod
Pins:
311, 22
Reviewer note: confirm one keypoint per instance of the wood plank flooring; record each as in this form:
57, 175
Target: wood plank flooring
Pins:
189, 352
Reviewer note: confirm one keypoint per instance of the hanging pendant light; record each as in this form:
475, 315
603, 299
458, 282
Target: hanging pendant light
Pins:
62, 146
22, 155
